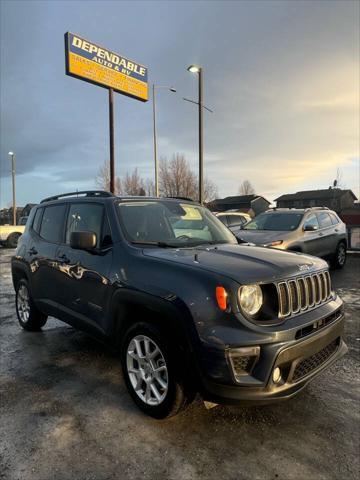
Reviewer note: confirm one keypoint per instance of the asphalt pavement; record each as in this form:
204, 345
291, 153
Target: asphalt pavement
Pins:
65, 413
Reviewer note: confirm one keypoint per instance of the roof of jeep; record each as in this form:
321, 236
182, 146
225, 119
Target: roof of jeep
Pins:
90, 195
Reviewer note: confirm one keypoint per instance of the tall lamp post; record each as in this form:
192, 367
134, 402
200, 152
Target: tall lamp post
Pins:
199, 71
12, 155
171, 89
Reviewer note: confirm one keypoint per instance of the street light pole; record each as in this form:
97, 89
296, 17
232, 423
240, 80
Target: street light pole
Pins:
171, 89
12, 155
200, 103
201, 139
155, 146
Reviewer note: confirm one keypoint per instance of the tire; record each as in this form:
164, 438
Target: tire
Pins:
29, 316
339, 259
161, 371
13, 239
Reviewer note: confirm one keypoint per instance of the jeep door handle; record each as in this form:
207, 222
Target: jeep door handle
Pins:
321, 234
336, 229
32, 251
64, 258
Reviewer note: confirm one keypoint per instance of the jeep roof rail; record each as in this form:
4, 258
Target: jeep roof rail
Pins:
85, 193
187, 199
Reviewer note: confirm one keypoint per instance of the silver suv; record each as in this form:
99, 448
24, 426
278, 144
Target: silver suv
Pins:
316, 231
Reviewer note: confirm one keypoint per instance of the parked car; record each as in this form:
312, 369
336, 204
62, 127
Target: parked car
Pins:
236, 323
10, 234
23, 220
316, 231
234, 220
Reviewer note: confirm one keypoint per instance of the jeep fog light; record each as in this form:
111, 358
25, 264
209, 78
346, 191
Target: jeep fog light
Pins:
276, 375
250, 299
243, 359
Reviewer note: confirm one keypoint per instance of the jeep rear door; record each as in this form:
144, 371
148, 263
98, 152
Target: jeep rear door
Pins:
45, 234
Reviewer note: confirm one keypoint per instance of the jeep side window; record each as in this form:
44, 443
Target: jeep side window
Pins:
37, 220
52, 223
324, 219
85, 217
312, 220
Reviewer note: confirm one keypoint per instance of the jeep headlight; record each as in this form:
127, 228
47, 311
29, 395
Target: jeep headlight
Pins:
250, 299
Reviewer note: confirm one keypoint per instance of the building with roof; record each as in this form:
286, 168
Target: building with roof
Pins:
251, 204
333, 198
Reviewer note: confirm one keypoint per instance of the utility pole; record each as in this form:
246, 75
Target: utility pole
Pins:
13, 159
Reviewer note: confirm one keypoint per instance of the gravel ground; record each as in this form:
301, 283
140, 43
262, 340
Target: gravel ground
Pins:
65, 414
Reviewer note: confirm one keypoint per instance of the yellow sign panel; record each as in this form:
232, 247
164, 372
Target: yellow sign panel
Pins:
92, 63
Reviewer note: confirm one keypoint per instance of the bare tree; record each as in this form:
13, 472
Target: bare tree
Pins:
133, 184
102, 179
150, 187
246, 188
210, 190
176, 178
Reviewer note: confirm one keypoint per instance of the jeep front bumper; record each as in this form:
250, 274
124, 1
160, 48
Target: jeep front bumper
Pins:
281, 370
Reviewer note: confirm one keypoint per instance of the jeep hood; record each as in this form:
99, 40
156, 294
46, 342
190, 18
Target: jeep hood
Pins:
242, 263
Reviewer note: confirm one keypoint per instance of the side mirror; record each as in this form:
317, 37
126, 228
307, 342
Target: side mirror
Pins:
83, 240
310, 228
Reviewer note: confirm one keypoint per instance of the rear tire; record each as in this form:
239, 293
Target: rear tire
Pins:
29, 316
13, 239
339, 259
153, 373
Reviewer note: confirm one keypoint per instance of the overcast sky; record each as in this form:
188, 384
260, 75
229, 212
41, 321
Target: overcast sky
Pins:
281, 77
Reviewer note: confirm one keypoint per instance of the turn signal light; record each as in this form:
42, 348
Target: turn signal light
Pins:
221, 298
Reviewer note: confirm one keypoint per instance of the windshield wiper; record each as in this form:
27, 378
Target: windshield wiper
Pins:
156, 244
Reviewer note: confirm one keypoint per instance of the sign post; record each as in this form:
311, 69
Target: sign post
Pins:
112, 140
97, 65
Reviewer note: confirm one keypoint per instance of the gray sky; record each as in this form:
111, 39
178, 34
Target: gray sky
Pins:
281, 77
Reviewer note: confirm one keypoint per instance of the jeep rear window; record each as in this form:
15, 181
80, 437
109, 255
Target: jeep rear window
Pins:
284, 222
171, 224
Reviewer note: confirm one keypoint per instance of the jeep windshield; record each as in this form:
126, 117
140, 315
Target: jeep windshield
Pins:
276, 221
166, 223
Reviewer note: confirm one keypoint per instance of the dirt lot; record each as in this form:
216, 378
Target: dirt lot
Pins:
65, 414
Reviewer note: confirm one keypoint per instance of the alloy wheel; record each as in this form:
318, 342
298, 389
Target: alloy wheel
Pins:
23, 303
147, 370
341, 255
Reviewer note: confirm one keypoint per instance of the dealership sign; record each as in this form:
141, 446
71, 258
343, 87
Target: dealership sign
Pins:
90, 62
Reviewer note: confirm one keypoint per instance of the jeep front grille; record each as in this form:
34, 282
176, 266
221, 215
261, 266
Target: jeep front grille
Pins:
303, 293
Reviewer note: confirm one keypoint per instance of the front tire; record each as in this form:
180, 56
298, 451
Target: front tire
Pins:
29, 316
152, 373
339, 259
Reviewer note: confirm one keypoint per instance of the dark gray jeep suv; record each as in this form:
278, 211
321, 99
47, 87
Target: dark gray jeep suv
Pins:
188, 312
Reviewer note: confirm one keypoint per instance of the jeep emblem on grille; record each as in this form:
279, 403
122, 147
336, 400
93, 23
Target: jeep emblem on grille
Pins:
303, 267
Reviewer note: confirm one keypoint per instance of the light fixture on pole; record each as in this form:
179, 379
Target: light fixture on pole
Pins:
197, 69
171, 89
12, 155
